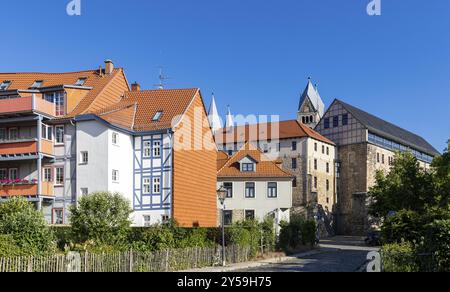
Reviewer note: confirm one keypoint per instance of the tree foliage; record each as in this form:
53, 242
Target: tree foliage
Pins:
25, 226
103, 218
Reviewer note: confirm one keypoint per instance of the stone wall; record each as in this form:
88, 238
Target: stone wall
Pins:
352, 189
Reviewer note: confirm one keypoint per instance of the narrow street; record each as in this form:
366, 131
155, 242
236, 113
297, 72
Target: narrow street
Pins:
338, 254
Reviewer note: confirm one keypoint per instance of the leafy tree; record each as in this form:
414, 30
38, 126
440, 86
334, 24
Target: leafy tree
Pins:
102, 218
405, 187
25, 226
441, 179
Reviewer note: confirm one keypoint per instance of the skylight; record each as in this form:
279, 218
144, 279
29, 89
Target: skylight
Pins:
5, 85
37, 84
157, 116
81, 81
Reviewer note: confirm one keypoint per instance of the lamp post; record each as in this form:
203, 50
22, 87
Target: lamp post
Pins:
222, 195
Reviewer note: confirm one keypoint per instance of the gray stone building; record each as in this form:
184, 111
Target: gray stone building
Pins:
365, 144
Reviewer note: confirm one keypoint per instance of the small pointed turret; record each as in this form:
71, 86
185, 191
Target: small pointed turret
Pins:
229, 121
213, 116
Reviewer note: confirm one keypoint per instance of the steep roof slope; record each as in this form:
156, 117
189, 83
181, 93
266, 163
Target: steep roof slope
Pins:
385, 129
136, 110
268, 131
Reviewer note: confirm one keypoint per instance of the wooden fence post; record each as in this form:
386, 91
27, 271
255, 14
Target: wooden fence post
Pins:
131, 261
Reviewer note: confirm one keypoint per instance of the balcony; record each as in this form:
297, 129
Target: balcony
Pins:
25, 189
27, 104
25, 146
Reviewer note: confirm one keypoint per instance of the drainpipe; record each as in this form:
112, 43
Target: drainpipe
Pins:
39, 161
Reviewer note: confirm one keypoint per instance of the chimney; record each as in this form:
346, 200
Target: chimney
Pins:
109, 67
135, 87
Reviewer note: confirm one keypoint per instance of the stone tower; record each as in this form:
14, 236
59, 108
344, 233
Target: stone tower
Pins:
311, 107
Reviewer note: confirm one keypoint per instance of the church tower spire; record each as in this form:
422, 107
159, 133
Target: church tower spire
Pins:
311, 108
229, 120
214, 117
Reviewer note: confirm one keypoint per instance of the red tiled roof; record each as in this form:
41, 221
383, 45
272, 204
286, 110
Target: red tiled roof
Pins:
265, 168
268, 131
136, 110
98, 82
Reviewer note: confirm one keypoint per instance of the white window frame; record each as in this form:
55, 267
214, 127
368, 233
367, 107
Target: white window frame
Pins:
156, 149
84, 157
115, 176
47, 132
10, 171
147, 220
156, 185
84, 191
115, 138
47, 174
146, 186
147, 149
57, 169
254, 190
56, 135
269, 193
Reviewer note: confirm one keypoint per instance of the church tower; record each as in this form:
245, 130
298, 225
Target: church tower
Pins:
311, 108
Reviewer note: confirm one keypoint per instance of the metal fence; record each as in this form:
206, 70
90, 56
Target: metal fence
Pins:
162, 261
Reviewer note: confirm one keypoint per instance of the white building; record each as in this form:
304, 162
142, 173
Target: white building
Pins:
257, 186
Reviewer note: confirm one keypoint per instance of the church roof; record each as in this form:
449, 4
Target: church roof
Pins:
313, 95
390, 131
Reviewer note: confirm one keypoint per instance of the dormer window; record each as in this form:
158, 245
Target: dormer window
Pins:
157, 116
37, 84
248, 167
5, 85
81, 81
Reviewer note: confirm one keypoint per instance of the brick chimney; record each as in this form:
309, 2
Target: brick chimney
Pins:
135, 87
109, 67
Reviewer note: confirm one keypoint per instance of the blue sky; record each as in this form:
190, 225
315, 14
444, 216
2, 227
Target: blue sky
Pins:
255, 55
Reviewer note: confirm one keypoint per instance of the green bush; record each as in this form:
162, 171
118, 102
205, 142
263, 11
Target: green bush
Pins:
26, 226
102, 218
399, 257
9, 248
437, 240
297, 234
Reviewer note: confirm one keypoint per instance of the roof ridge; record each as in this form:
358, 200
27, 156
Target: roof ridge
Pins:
56, 73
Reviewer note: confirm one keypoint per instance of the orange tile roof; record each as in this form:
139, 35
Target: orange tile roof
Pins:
137, 108
269, 131
98, 82
265, 168
222, 158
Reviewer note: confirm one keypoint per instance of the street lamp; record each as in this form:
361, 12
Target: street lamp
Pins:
222, 195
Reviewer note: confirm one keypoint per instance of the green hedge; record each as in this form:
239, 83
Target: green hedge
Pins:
297, 234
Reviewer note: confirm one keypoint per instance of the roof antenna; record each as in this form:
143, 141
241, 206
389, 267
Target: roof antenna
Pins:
162, 79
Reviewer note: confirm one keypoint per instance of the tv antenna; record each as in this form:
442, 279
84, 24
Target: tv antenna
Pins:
162, 79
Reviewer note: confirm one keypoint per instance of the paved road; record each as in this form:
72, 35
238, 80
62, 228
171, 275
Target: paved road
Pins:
338, 254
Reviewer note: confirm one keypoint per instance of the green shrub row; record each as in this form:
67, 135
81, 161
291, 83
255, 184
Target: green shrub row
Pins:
297, 234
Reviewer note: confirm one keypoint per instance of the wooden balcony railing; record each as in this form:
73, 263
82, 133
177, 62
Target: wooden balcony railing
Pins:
26, 189
26, 146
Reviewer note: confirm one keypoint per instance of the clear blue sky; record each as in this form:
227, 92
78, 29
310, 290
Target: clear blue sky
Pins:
255, 55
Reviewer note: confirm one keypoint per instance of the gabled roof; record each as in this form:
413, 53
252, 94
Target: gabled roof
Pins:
268, 131
390, 131
136, 110
265, 168
313, 95
96, 82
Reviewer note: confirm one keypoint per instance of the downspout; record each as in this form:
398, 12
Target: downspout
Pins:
39, 160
